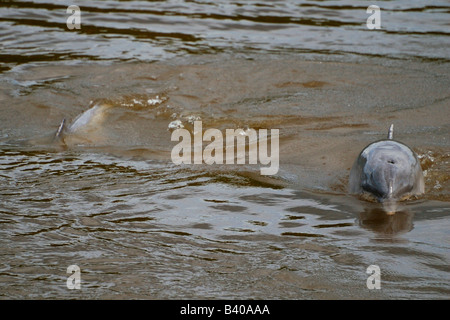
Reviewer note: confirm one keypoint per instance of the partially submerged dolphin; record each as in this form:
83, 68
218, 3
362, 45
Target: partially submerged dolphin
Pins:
387, 171
84, 126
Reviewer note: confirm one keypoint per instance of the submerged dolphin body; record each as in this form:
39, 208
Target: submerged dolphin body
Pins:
87, 124
387, 170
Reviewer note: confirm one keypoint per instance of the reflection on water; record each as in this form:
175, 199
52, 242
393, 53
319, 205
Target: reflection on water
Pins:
110, 200
377, 220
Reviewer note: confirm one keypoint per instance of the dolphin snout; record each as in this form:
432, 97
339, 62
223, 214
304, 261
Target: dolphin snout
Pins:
380, 182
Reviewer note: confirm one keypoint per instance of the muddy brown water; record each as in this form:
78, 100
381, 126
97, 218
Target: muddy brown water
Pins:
111, 200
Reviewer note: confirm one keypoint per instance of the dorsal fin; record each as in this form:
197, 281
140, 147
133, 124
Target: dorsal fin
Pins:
391, 132
60, 130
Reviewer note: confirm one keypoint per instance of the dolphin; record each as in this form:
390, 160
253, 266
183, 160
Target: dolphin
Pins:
387, 171
84, 125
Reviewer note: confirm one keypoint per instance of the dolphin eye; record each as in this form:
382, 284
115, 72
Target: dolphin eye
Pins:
391, 161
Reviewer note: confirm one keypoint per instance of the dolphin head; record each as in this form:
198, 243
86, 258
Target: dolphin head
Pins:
388, 170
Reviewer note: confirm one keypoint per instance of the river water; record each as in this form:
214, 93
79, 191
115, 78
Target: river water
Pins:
110, 200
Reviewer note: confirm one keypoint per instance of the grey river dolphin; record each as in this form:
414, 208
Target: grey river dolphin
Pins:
387, 171
86, 126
